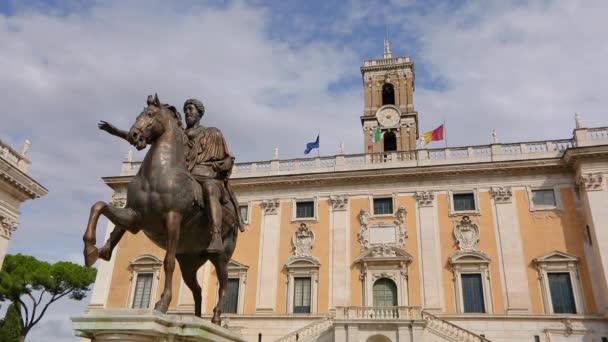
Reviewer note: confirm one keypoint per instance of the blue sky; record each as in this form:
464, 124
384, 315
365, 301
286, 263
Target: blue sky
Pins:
271, 74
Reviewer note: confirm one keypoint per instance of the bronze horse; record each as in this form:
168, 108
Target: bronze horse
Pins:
163, 200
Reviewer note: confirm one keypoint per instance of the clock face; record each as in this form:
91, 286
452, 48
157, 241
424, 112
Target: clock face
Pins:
388, 116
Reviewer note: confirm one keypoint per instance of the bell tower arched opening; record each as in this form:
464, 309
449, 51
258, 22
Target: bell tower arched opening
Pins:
390, 141
388, 94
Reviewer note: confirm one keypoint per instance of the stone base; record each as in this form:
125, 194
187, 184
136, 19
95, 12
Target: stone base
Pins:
148, 326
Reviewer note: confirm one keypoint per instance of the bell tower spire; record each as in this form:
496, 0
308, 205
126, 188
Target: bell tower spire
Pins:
387, 44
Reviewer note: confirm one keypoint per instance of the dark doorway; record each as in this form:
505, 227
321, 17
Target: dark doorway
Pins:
390, 142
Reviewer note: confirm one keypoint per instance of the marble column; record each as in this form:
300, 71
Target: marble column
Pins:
340, 252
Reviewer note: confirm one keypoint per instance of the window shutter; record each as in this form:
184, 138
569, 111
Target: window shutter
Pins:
143, 290
562, 296
472, 293
232, 296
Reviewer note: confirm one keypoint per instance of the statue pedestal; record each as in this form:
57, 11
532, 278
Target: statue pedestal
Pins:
147, 326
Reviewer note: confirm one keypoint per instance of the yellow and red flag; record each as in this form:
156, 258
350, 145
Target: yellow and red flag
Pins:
434, 135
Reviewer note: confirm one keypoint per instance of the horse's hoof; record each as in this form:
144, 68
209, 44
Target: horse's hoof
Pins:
90, 255
216, 320
105, 253
161, 307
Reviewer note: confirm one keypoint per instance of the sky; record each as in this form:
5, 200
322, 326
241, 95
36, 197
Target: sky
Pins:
273, 74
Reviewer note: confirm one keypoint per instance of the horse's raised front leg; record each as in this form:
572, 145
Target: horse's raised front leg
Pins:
121, 217
220, 261
173, 222
189, 265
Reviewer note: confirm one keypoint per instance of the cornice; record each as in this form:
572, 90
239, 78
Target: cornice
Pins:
573, 155
26, 185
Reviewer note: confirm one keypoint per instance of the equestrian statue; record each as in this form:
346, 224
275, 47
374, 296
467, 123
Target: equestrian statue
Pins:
180, 198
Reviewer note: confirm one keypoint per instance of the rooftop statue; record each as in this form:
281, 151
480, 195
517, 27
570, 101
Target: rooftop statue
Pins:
180, 198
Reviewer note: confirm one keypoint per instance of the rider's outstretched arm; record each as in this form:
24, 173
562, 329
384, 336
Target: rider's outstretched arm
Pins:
108, 127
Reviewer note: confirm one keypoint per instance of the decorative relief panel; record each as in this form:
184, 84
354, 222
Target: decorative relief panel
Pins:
424, 198
271, 206
373, 235
467, 234
502, 194
119, 200
591, 181
302, 241
338, 202
7, 227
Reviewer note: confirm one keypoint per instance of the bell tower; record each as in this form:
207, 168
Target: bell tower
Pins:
389, 103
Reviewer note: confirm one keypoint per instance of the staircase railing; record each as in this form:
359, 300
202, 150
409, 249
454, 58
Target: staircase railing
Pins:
311, 330
451, 330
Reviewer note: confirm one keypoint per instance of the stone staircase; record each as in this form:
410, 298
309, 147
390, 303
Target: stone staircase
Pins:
309, 332
437, 329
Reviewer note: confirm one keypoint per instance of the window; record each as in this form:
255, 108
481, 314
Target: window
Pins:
383, 206
543, 198
302, 281
143, 289
388, 94
472, 281
244, 211
232, 296
145, 272
562, 297
305, 209
560, 283
301, 298
472, 293
385, 292
536, 338
464, 202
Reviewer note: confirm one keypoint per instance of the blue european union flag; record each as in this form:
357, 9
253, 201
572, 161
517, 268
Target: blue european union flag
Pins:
311, 145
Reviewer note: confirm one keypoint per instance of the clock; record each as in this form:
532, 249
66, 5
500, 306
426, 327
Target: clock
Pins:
388, 116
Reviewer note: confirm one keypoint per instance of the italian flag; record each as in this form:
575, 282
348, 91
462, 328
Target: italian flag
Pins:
434, 135
374, 139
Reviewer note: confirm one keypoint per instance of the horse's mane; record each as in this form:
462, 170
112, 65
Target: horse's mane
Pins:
176, 114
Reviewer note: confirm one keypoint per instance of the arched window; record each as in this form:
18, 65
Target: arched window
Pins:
385, 292
378, 338
388, 94
390, 142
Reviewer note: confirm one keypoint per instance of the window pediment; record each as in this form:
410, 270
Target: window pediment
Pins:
146, 260
305, 262
236, 266
554, 257
469, 257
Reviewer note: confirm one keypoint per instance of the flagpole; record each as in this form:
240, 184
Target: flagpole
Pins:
319, 148
445, 134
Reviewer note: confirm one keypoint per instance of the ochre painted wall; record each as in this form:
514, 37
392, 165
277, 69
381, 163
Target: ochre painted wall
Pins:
487, 244
548, 230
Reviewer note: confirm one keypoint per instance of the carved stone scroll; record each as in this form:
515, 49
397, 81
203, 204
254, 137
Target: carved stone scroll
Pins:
424, 198
591, 181
7, 227
502, 194
338, 202
271, 206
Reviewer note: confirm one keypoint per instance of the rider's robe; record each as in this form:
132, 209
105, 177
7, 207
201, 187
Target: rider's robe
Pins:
208, 156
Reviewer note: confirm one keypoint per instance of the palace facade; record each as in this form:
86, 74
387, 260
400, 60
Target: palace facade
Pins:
16, 187
500, 242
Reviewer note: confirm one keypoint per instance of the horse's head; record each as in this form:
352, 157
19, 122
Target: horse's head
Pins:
153, 121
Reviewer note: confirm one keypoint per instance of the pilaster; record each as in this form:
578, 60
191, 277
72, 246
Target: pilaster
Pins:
340, 252
269, 256
510, 249
429, 251
594, 198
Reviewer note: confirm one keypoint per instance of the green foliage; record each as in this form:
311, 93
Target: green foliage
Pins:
10, 326
25, 280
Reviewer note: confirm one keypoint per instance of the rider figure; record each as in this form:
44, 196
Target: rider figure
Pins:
210, 162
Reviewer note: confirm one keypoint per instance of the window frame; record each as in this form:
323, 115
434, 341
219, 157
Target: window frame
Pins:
295, 291
236, 270
454, 212
137, 276
144, 264
556, 194
238, 296
392, 197
472, 262
294, 209
560, 262
247, 217
302, 267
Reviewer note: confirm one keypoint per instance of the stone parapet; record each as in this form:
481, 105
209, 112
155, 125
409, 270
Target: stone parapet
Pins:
148, 325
